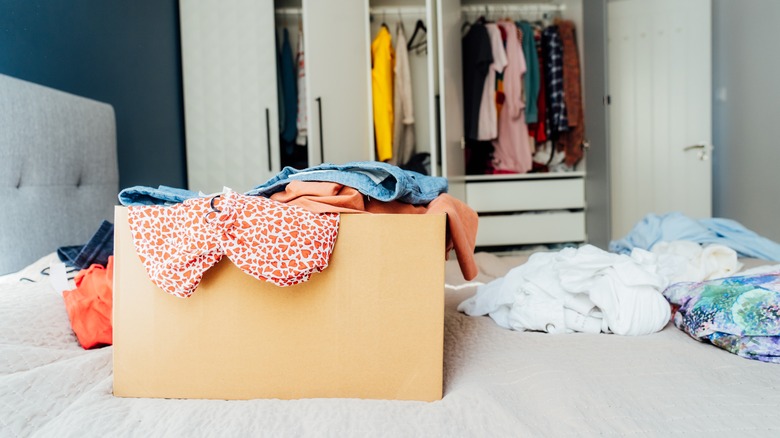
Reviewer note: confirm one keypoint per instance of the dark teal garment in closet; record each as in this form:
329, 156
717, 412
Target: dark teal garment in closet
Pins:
531, 77
289, 90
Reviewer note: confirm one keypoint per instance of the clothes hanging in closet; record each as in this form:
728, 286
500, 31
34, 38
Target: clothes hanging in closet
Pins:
543, 84
302, 119
538, 130
289, 108
487, 128
403, 106
476, 58
512, 153
553, 58
382, 61
571, 141
531, 77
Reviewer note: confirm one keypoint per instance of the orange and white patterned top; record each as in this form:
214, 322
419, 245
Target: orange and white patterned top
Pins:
271, 241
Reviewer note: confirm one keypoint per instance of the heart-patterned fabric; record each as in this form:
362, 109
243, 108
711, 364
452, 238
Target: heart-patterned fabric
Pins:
271, 241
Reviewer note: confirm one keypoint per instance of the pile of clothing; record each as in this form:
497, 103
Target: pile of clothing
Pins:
668, 267
282, 231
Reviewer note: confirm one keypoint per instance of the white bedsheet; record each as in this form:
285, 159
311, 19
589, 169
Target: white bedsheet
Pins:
497, 383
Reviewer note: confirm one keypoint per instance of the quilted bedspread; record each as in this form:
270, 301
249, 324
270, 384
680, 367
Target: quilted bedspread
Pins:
497, 383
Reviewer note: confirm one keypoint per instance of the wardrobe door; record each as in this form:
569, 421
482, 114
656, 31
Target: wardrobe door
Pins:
450, 87
230, 99
338, 69
597, 192
660, 76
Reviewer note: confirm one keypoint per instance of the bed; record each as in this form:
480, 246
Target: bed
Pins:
496, 382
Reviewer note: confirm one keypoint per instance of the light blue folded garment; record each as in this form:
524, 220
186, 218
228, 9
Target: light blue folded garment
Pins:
676, 226
380, 181
162, 195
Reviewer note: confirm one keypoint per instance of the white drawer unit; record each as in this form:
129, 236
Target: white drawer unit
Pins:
526, 195
528, 210
531, 228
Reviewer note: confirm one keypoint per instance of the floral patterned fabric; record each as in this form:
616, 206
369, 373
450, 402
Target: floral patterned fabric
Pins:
739, 314
279, 243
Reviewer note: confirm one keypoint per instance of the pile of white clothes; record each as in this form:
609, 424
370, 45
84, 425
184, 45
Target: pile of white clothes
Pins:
590, 290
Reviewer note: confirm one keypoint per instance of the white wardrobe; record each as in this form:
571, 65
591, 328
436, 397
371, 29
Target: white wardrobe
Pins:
231, 111
229, 57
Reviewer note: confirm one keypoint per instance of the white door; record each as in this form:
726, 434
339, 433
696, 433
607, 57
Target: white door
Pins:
659, 55
230, 103
338, 71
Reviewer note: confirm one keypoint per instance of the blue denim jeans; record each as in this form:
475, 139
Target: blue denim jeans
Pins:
96, 251
374, 179
163, 195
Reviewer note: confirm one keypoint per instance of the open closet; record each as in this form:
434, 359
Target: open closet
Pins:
410, 29
243, 59
516, 206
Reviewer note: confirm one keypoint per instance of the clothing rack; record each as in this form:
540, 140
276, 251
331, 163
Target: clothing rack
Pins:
397, 10
388, 12
540, 9
285, 15
288, 11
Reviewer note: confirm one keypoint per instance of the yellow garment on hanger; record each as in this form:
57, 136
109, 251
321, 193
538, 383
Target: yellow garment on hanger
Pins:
383, 63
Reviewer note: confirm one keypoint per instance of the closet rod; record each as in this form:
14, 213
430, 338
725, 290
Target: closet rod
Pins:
522, 8
288, 11
403, 10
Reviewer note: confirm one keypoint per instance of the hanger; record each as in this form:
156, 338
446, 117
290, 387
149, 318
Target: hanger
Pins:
419, 26
464, 28
400, 25
468, 23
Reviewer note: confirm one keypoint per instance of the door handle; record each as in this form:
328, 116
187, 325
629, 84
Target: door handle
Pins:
268, 137
322, 142
703, 149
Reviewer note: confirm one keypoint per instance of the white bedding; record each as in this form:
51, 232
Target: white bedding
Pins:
497, 383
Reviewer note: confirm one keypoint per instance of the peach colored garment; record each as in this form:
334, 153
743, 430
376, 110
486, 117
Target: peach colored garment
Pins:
327, 197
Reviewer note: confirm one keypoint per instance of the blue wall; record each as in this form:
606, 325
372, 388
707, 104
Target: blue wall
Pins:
125, 53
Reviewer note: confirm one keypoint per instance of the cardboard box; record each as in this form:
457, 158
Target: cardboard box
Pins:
369, 326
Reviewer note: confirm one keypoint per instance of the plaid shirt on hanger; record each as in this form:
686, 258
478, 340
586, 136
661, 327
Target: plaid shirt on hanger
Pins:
553, 59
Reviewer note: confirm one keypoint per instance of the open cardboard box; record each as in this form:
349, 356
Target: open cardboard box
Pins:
368, 326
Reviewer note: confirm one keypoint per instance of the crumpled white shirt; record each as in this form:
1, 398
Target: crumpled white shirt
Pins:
581, 289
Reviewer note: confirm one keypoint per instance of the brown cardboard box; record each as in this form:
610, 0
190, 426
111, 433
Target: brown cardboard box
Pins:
369, 326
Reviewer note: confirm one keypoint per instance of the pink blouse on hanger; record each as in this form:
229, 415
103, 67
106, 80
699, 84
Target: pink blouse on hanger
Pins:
513, 152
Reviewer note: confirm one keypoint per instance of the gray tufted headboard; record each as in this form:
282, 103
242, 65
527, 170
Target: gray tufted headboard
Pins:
58, 170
